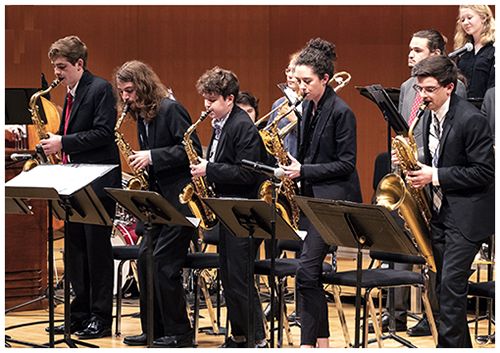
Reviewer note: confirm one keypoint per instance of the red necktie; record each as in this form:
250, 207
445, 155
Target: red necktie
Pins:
414, 109
69, 105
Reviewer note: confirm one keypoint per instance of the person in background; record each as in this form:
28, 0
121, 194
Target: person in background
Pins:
292, 90
248, 103
476, 25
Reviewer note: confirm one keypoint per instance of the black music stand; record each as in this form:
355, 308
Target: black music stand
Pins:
67, 189
253, 219
356, 225
150, 207
385, 103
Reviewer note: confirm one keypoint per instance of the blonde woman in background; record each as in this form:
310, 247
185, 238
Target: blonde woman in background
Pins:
476, 24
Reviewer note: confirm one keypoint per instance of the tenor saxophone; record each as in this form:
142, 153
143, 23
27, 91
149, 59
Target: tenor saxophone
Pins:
412, 203
139, 181
41, 130
194, 192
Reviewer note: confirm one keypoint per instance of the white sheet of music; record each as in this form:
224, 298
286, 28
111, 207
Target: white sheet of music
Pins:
66, 179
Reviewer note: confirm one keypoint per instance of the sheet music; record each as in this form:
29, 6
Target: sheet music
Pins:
66, 179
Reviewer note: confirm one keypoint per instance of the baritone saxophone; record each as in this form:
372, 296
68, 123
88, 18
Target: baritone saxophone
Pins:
194, 192
412, 203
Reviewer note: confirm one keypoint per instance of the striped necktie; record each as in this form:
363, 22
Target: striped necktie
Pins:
437, 193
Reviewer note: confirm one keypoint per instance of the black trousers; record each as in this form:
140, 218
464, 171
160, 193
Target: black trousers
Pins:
90, 270
234, 265
454, 255
314, 308
170, 248
89, 260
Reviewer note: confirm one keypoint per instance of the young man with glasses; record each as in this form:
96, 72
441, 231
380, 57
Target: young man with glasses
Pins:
423, 44
459, 166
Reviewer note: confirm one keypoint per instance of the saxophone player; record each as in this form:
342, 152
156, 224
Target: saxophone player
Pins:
326, 167
459, 165
235, 137
424, 43
161, 123
86, 136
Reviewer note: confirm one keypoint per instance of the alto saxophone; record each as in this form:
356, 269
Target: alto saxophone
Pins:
287, 207
140, 178
412, 203
41, 131
194, 192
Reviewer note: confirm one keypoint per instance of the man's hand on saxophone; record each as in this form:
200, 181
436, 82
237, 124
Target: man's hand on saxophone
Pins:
292, 171
140, 159
199, 170
419, 178
52, 144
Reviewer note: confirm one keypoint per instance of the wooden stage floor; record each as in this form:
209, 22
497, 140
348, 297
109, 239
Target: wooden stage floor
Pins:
30, 325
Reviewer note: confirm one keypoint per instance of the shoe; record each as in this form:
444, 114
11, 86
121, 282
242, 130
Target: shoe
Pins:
137, 340
59, 330
94, 329
232, 344
422, 328
175, 341
400, 326
293, 317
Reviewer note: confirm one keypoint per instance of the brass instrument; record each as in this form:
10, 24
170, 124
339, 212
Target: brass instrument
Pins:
412, 203
139, 181
287, 206
194, 192
40, 128
341, 78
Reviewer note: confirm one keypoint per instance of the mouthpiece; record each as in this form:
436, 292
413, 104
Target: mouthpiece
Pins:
125, 109
205, 114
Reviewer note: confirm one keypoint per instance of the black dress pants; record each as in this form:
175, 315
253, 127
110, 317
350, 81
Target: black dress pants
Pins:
170, 248
90, 270
314, 308
454, 255
89, 260
234, 266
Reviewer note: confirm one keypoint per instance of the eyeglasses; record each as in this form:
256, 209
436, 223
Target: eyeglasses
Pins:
426, 89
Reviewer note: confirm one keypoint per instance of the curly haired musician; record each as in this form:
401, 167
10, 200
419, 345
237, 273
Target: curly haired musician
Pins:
235, 137
161, 124
326, 166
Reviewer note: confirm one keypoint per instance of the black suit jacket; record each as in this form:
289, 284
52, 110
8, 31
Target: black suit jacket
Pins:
240, 139
329, 165
89, 138
170, 168
466, 167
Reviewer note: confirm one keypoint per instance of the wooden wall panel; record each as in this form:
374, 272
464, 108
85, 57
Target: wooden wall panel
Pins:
181, 42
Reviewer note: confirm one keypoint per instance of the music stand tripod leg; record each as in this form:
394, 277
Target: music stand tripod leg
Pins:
66, 205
